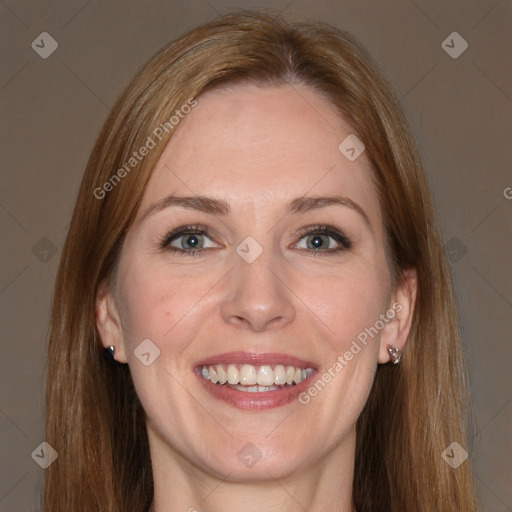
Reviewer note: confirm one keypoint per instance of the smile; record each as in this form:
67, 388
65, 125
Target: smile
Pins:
253, 381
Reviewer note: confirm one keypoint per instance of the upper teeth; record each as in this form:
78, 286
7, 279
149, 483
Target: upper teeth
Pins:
250, 375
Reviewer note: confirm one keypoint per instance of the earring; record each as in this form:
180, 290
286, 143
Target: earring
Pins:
395, 354
110, 351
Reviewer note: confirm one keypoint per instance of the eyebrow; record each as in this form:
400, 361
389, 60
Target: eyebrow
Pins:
215, 206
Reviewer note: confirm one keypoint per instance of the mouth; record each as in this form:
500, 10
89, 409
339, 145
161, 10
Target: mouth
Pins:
255, 381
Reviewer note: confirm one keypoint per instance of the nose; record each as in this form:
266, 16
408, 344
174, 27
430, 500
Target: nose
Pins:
258, 297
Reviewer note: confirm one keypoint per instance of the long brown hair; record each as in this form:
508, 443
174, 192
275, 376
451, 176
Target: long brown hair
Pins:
95, 420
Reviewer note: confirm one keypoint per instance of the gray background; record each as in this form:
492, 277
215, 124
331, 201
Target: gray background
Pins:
52, 110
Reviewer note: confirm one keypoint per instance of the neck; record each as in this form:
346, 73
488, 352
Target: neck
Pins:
325, 484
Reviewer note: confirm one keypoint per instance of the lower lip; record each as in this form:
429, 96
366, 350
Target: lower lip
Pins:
259, 400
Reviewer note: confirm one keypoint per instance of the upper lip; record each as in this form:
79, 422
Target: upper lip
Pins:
269, 358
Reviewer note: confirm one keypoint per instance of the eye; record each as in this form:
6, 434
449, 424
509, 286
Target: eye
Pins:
187, 240
193, 240
320, 239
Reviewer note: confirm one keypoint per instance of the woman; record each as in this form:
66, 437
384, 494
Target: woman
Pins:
254, 245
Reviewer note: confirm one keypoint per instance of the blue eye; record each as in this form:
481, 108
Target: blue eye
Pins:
193, 238
191, 241
319, 239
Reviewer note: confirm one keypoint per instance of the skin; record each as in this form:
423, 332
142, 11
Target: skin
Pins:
257, 149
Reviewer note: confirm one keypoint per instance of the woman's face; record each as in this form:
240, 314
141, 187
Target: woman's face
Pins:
261, 291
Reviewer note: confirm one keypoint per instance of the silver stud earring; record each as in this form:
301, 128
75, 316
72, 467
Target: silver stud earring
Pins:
395, 354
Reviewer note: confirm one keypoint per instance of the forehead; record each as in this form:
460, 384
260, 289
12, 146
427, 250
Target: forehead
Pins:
261, 147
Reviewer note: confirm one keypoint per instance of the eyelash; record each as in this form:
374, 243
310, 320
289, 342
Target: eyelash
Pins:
342, 239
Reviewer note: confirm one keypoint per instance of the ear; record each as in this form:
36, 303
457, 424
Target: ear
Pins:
108, 321
396, 331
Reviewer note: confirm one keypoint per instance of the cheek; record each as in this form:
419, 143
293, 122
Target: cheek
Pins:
351, 301
167, 311
148, 310
165, 308
162, 306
